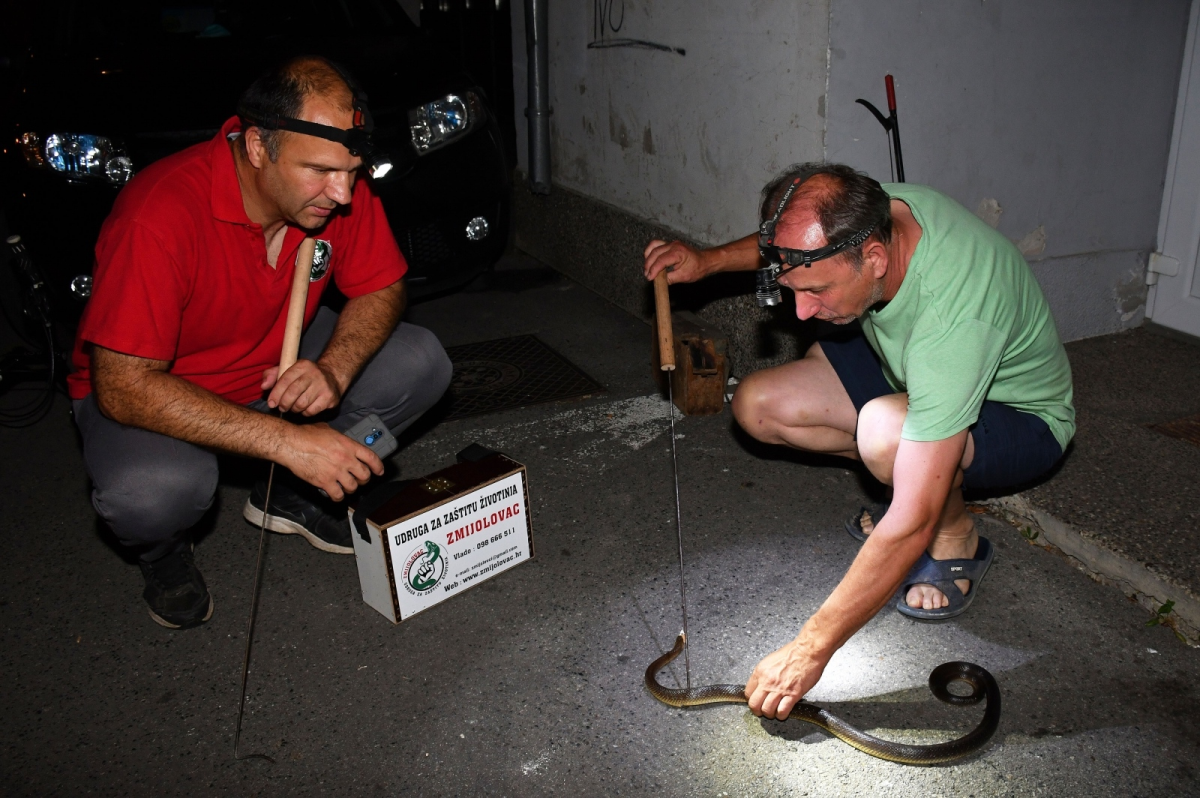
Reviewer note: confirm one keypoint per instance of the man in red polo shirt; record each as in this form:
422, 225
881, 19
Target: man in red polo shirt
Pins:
177, 352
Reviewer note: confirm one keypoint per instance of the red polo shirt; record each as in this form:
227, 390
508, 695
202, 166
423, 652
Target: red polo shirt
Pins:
182, 275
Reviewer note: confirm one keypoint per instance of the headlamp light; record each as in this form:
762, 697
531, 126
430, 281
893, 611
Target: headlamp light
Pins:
438, 123
78, 156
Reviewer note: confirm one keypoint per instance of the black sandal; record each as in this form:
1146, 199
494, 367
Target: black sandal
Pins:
854, 525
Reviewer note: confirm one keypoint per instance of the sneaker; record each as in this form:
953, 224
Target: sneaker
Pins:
175, 591
322, 522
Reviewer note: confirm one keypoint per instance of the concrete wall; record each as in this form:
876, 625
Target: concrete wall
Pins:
1050, 117
683, 140
1056, 114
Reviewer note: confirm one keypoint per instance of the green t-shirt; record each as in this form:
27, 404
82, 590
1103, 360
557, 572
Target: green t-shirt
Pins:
969, 323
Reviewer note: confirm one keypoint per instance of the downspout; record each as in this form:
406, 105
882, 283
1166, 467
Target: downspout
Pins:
538, 109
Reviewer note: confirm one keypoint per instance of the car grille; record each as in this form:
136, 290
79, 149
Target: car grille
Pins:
424, 246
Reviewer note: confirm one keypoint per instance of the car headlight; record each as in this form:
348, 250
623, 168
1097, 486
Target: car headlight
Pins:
436, 124
78, 155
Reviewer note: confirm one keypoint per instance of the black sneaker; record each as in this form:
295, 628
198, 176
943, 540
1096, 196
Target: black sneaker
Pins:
175, 591
322, 522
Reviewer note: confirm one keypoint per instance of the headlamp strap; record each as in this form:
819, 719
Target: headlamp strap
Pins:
766, 233
357, 139
799, 257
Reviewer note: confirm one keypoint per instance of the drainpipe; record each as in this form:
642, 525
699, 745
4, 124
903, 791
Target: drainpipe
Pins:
538, 109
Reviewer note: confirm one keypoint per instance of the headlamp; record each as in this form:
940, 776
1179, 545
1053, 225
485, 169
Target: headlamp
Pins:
357, 139
766, 278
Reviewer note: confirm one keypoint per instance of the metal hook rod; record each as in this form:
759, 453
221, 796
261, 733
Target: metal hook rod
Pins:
293, 327
666, 358
258, 569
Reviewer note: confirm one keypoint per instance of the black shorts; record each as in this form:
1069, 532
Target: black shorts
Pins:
1011, 447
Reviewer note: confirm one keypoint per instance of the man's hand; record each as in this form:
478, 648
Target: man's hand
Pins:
685, 264
688, 264
305, 388
324, 457
781, 680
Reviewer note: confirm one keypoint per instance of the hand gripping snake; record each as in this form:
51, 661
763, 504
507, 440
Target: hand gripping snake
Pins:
982, 685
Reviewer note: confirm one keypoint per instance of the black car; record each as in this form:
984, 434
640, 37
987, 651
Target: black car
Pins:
98, 89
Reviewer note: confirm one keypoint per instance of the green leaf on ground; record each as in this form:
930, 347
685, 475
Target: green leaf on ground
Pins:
1161, 614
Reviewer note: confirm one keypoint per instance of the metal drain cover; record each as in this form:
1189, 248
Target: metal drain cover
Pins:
474, 376
512, 372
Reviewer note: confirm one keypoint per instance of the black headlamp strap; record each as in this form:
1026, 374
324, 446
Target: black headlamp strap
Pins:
356, 139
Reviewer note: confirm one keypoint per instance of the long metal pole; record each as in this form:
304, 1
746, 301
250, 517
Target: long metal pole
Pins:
666, 359
293, 327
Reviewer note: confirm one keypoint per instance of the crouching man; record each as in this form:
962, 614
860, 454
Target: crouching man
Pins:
955, 377
177, 353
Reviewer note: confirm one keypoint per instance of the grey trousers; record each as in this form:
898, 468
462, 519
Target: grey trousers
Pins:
151, 489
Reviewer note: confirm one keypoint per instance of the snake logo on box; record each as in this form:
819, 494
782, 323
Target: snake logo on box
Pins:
424, 568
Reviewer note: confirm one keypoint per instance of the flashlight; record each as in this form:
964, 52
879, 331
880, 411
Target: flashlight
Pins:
766, 286
380, 168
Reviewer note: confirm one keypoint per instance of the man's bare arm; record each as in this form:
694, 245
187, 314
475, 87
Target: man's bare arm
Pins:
924, 475
688, 264
139, 392
362, 328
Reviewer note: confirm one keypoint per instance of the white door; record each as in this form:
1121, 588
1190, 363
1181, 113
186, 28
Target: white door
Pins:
1174, 298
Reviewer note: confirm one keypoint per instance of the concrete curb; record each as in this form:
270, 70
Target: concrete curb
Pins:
1134, 579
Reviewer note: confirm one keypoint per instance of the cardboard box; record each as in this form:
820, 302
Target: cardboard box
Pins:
442, 534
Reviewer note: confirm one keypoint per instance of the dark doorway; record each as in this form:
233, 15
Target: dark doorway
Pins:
479, 34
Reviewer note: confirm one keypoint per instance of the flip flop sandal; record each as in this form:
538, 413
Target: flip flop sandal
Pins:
854, 525
941, 574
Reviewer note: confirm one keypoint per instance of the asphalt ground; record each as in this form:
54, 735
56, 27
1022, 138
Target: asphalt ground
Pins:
531, 683
1126, 490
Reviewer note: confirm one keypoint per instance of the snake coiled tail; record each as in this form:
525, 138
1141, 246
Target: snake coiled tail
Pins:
983, 685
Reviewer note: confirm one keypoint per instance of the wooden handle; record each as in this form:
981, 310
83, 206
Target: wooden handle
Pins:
295, 314
662, 309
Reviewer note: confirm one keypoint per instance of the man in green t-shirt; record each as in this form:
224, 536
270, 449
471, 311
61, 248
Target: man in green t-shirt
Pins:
955, 376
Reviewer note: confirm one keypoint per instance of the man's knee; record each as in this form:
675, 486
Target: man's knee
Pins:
145, 503
879, 424
434, 366
752, 405
426, 369
406, 378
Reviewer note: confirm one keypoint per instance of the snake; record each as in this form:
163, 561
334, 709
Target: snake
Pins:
983, 685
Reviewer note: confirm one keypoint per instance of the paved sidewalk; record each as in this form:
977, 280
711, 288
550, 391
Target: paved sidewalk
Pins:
531, 683
1124, 505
